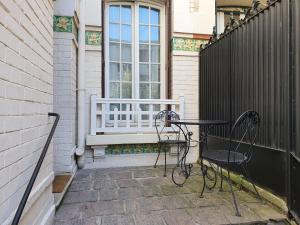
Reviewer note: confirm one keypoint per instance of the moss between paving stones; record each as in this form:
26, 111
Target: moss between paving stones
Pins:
266, 195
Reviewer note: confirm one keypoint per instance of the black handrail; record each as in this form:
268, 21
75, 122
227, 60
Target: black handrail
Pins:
35, 172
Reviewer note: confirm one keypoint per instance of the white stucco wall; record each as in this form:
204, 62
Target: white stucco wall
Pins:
66, 7
93, 13
194, 16
26, 97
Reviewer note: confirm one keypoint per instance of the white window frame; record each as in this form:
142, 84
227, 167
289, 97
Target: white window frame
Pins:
135, 46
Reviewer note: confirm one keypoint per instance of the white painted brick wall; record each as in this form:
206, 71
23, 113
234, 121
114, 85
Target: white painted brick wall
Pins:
93, 82
65, 69
26, 97
185, 81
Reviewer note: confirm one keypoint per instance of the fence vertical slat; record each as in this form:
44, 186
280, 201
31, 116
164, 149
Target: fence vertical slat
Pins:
103, 115
116, 114
139, 115
151, 115
127, 115
181, 106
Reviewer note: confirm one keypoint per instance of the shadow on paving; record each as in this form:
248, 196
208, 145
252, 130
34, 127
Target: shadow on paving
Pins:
142, 196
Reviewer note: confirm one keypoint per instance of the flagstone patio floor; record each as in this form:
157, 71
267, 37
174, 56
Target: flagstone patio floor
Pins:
142, 196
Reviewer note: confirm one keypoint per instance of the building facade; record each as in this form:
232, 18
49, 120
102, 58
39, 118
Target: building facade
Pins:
106, 67
140, 57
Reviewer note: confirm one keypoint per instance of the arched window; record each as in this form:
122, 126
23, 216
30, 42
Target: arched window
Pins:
135, 50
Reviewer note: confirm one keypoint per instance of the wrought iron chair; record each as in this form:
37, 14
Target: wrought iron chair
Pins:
169, 135
238, 154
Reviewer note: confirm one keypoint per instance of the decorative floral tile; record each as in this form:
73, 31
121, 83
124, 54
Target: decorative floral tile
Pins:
93, 37
62, 24
133, 149
187, 44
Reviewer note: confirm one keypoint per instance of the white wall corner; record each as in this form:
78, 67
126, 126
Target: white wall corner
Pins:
64, 7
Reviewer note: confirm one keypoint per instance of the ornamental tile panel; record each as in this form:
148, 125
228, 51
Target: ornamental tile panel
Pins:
93, 38
132, 149
62, 24
187, 44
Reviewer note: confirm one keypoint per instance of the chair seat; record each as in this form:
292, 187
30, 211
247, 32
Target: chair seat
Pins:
172, 142
221, 156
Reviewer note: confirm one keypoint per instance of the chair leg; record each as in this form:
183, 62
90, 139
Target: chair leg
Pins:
165, 173
203, 170
157, 155
233, 195
248, 177
178, 154
221, 186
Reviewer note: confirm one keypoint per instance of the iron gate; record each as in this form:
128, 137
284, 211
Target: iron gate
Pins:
255, 66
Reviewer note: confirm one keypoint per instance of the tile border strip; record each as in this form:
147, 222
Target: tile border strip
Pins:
187, 44
132, 149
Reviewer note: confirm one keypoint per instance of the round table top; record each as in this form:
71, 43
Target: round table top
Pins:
199, 122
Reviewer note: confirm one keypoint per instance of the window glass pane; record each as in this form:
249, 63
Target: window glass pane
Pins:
144, 53
126, 90
144, 72
126, 72
144, 34
126, 33
114, 13
154, 16
114, 51
114, 91
155, 53
114, 32
126, 14
126, 53
144, 91
113, 106
144, 15
155, 91
155, 34
155, 73
144, 107
114, 71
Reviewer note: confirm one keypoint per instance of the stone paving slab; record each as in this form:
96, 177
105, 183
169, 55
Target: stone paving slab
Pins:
142, 196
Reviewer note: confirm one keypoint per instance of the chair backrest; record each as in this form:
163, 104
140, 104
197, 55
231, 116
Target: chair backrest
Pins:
162, 125
244, 131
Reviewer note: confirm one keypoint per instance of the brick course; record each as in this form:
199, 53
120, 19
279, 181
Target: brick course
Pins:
26, 97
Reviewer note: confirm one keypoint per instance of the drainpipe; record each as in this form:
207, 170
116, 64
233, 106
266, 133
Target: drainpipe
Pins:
81, 86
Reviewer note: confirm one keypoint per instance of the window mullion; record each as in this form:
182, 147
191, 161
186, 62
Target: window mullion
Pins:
149, 43
136, 50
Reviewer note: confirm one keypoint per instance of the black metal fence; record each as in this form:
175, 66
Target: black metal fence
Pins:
256, 66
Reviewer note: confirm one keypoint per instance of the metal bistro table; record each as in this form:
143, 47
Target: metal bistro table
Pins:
182, 170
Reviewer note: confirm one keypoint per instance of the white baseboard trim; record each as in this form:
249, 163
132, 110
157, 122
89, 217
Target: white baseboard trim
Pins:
49, 216
35, 194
